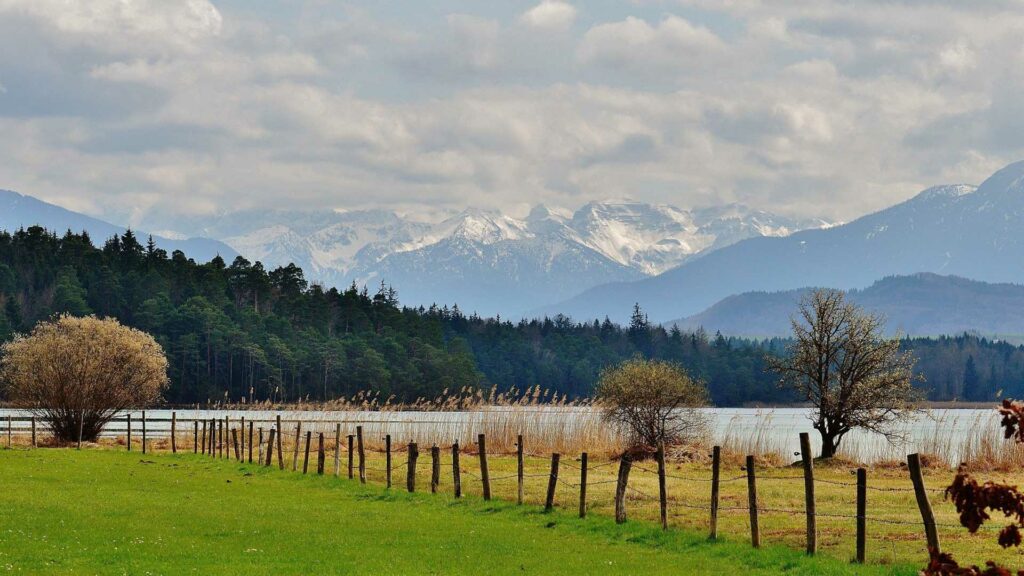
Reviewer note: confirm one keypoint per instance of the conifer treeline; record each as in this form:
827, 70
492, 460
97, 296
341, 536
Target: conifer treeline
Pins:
234, 331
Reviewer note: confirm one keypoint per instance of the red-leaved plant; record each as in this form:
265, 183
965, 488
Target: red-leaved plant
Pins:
974, 501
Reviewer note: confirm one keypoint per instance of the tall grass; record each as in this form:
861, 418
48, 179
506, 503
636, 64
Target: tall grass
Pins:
548, 422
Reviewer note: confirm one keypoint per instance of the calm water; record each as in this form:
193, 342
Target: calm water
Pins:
752, 430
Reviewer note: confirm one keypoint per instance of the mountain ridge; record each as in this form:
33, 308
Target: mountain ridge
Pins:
19, 210
922, 304
974, 232
483, 260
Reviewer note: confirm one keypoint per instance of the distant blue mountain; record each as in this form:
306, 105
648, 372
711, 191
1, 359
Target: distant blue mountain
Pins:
21, 211
960, 230
923, 304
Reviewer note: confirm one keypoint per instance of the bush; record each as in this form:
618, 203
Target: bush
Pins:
82, 370
655, 401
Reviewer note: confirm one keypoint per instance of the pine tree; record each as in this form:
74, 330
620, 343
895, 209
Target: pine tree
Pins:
973, 391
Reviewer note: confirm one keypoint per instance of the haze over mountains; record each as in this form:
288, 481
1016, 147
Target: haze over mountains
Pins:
976, 233
919, 305
21, 211
486, 261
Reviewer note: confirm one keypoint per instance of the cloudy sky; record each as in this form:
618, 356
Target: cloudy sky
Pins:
123, 108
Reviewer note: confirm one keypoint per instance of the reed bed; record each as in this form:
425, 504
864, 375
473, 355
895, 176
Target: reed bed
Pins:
555, 423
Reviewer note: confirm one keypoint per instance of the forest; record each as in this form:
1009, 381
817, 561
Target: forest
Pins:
237, 332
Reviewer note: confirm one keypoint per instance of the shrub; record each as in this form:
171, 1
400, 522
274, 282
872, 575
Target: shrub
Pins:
82, 371
655, 401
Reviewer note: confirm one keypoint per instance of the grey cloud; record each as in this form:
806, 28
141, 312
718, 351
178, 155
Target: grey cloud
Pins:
857, 105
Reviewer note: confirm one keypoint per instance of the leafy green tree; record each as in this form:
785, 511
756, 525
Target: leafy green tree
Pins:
69, 297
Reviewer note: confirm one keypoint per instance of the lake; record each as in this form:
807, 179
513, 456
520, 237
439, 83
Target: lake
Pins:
950, 433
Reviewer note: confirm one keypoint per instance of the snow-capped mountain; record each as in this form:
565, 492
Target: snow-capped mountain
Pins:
483, 260
962, 230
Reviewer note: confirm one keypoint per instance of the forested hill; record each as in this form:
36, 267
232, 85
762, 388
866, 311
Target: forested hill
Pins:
234, 331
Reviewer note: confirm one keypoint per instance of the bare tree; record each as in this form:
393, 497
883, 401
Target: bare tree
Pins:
77, 373
655, 401
843, 365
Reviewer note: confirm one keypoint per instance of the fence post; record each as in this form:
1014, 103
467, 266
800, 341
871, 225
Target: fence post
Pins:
755, 531
362, 454
549, 502
204, 438
259, 451
485, 478
250, 441
212, 453
33, 431
220, 438
931, 535
519, 469
809, 506
241, 432
174, 432
195, 437
435, 468
8, 431
716, 465
143, 431
862, 512
270, 446
227, 432
129, 442
625, 463
234, 444
298, 440
337, 449
662, 494
305, 459
280, 450
350, 455
320, 456
456, 471
410, 473
387, 460
583, 485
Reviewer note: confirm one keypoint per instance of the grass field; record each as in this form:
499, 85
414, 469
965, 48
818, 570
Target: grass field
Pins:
113, 512
895, 532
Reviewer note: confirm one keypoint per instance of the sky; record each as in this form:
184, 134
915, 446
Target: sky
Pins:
126, 109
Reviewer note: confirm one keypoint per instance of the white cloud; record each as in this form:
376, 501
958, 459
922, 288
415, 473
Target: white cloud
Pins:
635, 44
550, 15
125, 25
173, 106
957, 57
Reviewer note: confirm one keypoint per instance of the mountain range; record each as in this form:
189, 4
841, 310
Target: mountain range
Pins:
962, 230
923, 304
602, 258
21, 211
485, 261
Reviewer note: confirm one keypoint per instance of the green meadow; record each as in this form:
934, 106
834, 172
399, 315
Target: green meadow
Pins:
111, 512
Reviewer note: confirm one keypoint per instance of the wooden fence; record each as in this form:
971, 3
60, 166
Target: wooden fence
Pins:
258, 441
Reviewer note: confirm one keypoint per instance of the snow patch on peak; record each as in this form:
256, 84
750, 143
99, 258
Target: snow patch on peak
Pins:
946, 191
489, 228
540, 213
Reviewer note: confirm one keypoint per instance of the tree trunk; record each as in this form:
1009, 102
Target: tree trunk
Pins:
829, 444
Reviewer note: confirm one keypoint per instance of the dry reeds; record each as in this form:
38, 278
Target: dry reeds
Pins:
551, 422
